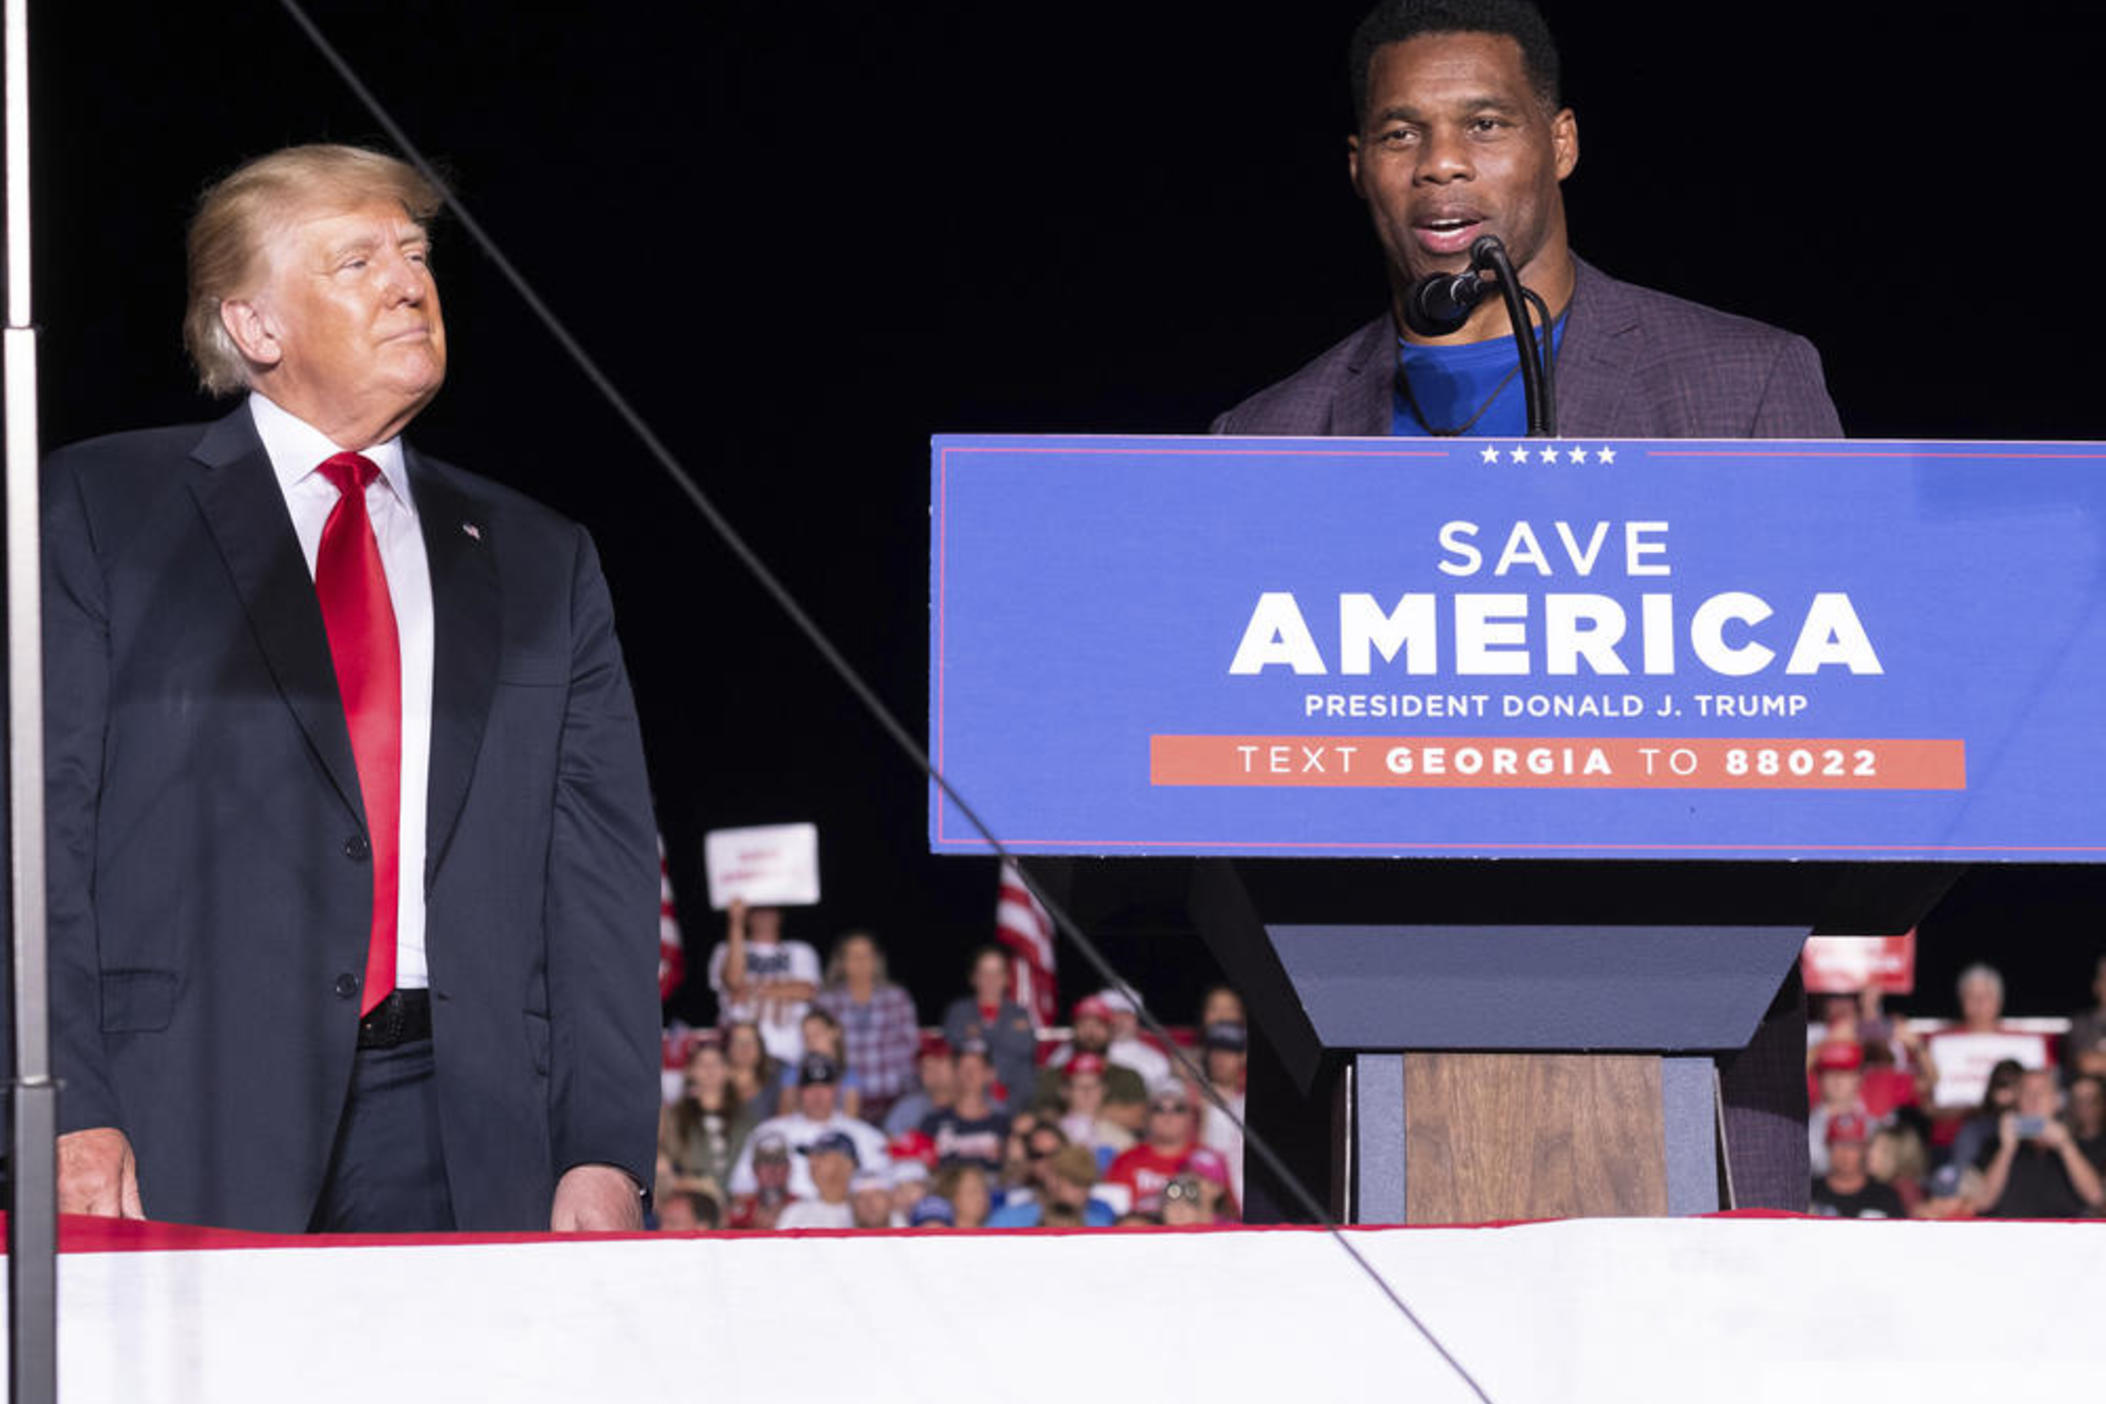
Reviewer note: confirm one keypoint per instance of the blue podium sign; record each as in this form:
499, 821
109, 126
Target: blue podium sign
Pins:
1484, 648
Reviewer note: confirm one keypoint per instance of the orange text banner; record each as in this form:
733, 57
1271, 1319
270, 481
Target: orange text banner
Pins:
1561, 763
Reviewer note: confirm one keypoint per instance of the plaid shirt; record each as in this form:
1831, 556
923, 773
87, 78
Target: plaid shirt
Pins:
880, 1038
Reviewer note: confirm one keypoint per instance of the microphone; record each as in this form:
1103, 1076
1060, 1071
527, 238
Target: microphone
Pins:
1439, 305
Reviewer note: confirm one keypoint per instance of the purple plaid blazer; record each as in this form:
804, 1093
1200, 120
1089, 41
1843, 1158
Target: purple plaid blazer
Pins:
1633, 364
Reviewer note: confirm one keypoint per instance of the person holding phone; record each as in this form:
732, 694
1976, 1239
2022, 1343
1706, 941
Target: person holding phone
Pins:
2034, 1170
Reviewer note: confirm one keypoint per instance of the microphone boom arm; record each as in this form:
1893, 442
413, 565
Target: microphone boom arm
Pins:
1489, 252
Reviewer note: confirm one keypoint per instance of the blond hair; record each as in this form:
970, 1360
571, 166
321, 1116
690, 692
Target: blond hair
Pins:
234, 218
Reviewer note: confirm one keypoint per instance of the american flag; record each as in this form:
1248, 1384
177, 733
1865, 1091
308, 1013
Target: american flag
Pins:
672, 956
1024, 929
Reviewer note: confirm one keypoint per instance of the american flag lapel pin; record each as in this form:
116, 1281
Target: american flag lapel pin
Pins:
472, 531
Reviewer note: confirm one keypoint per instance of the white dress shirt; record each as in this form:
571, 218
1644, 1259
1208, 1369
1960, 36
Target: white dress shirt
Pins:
296, 450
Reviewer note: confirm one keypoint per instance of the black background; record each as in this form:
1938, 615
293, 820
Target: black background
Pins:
803, 238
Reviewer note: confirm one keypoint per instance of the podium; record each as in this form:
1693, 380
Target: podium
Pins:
1507, 784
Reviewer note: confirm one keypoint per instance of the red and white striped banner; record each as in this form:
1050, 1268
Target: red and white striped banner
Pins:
1026, 932
672, 956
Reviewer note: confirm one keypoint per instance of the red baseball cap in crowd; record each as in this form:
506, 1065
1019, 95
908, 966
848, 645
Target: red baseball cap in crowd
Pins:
912, 1145
1849, 1126
1839, 1055
1092, 1007
1084, 1063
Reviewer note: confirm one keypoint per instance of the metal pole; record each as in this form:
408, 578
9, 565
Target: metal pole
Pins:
32, 1226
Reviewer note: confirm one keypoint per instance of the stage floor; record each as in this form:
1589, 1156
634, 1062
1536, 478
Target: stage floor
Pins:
1736, 1307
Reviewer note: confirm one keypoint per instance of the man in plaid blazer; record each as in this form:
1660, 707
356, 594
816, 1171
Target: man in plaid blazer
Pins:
1462, 133
1632, 364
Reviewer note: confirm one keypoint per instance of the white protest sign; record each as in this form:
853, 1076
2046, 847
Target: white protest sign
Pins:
1965, 1061
774, 865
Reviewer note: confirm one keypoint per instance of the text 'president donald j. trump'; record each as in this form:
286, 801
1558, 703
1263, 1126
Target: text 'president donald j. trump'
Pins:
353, 883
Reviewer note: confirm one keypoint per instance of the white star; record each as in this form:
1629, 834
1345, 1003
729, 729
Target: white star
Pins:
1548, 455
1519, 455
1578, 454
1491, 454
1605, 454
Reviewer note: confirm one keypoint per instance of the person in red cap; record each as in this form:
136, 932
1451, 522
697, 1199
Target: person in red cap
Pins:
1847, 1190
913, 1166
1839, 1091
1092, 1022
1082, 1099
912, 1145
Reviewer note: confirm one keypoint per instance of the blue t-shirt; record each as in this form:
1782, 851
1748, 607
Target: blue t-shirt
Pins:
1449, 382
1095, 1214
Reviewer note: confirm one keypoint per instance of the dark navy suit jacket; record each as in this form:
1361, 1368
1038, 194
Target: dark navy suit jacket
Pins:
210, 895
1633, 364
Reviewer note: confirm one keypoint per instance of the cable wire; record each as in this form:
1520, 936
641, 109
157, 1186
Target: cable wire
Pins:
846, 671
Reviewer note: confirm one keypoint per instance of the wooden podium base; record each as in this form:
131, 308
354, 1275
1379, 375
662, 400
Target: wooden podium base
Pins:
1496, 1136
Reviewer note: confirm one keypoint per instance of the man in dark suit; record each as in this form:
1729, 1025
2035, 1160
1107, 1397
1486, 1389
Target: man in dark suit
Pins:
1462, 134
353, 884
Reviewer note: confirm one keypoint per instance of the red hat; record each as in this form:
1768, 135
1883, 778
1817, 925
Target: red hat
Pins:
1849, 1126
1839, 1055
1092, 1007
1084, 1063
934, 1045
912, 1145
1208, 1164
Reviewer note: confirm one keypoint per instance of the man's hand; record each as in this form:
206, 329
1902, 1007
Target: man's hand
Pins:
596, 1199
97, 1175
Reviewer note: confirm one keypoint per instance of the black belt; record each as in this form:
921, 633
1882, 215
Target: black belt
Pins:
403, 1017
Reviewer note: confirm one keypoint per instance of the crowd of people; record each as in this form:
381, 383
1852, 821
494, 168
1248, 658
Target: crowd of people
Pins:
820, 1101
1982, 1118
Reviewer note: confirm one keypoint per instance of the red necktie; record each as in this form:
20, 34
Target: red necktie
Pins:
361, 622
